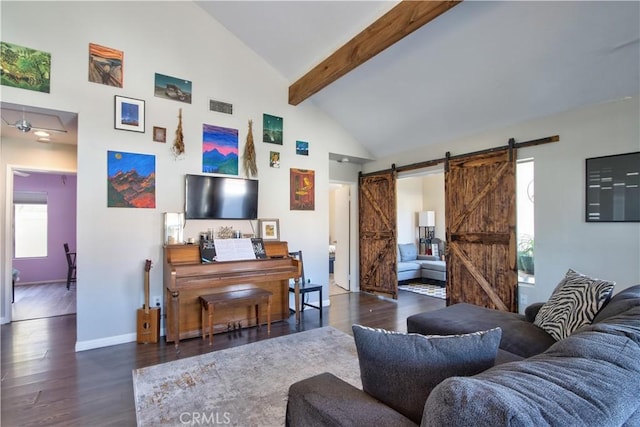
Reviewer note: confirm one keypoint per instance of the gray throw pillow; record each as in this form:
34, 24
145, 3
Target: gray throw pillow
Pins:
573, 304
401, 369
408, 252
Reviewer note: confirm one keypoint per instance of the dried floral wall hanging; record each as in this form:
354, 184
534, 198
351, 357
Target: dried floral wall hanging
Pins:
178, 143
249, 157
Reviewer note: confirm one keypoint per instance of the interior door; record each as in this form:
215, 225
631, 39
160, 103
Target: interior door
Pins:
378, 239
481, 233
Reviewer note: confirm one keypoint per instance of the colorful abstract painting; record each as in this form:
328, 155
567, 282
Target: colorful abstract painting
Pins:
25, 68
131, 180
302, 190
302, 148
271, 129
172, 88
105, 65
219, 150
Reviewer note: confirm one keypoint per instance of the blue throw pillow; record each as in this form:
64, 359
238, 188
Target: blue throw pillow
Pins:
408, 252
401, 369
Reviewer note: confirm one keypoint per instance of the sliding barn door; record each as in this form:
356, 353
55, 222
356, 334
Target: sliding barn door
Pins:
481, 237
377, 203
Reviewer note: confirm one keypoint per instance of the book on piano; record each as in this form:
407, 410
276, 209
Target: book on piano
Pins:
207, 251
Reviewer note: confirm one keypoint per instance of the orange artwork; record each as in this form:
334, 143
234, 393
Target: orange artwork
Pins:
105, 65
302, 190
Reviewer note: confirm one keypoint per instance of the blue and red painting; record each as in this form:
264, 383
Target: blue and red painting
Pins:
131, 180
219, 150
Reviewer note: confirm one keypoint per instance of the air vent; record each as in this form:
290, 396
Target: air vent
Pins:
220, 106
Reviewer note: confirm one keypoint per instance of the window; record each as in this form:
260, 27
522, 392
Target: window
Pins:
31, 216
525, 229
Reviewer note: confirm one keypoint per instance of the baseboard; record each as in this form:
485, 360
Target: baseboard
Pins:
109, 341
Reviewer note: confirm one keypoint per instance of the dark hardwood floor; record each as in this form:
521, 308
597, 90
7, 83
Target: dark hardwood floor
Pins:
45, 382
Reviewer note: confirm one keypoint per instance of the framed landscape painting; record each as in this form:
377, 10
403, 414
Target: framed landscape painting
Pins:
172, 88
219, 150
271, 129
131, 180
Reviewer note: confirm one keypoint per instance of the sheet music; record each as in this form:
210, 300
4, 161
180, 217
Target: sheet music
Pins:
233, 249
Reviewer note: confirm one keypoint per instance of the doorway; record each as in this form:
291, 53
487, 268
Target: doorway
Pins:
40, 289
340, 238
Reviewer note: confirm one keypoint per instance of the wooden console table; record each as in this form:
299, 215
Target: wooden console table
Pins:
186, 279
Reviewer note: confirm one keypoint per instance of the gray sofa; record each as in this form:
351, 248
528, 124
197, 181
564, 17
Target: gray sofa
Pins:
590, 378
412, 266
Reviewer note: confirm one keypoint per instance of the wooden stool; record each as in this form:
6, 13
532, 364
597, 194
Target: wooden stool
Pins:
251, 296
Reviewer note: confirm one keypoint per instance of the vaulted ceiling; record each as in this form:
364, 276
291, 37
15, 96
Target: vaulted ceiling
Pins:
481, 65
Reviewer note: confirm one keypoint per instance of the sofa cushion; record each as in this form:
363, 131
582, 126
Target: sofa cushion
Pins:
408, 266
591, 378
620, 302
401, 369
518, 336
327, 401
433, 265
573, 304
408, 252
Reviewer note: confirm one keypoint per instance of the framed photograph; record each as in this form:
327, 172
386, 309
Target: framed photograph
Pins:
269, 229
129, 114
613, 188
159, 134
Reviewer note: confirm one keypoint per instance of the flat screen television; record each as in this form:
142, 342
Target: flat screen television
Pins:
216, 197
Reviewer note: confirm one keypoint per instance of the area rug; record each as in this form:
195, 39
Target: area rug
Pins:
425, 289
241, 386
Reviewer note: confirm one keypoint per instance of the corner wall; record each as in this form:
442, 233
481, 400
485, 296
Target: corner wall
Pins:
115, 242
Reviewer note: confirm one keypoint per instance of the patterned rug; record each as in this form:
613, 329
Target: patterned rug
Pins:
425, 289
241, 386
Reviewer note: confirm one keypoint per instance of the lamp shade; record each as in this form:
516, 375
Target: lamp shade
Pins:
427, 219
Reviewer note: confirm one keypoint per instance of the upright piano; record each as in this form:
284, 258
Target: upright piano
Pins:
186, 278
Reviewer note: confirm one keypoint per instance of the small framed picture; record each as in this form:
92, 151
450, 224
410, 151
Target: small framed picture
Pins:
159, 134
129, 114
269, 229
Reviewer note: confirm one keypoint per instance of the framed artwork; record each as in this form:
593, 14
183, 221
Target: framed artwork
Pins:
274, 159
25, 68
302, 148
172, 88
269, 229
613, 188
302, 190
105, 65
129, 114
219, 150
271, 129
131, 180
159, 134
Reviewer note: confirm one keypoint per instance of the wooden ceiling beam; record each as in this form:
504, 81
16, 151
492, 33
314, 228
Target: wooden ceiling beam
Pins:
406, 17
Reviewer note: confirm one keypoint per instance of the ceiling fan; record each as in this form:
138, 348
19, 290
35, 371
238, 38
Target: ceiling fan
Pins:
24, 125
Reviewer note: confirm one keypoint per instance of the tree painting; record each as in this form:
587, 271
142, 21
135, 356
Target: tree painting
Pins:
24, 68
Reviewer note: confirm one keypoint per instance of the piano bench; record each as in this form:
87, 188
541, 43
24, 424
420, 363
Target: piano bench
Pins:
251, 296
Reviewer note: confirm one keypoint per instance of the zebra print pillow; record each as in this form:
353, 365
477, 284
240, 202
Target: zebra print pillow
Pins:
573, 304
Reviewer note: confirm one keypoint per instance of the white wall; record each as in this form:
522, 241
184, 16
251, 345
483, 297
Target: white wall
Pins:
114, 242
563, 239
408, 204
433, 200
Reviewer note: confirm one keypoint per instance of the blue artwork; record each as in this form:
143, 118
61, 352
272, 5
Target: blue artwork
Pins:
131, 180
219, 150
302, 148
